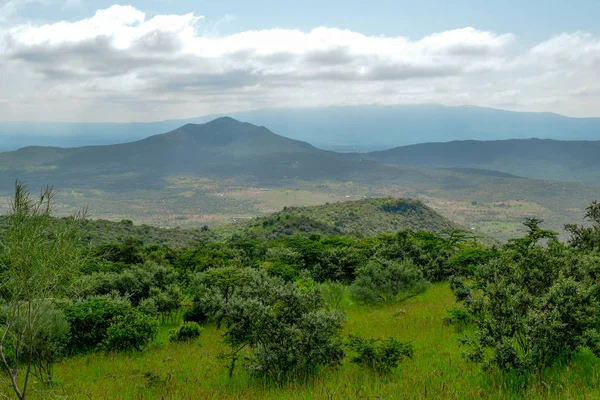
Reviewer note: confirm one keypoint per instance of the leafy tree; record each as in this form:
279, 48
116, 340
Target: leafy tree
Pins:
39, 260
385, 281
533, 305
587, 237
287, 330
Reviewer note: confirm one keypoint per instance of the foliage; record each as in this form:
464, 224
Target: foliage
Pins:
39, 260
587, 237
90, 320
195, 314
534, 305
130, 332
286, 330
136, 283
428, 251
385, 281
186, 332
379, 355
49, 343
333, 294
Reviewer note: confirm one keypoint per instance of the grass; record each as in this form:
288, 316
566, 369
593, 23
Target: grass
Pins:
193, 370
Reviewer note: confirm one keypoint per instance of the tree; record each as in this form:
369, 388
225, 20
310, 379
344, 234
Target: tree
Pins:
39, 256
533, 304
587, 237
287, 330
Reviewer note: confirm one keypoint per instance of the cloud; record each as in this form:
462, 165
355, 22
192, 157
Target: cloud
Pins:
179, 65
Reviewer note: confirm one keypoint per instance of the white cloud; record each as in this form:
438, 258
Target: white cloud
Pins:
120, 64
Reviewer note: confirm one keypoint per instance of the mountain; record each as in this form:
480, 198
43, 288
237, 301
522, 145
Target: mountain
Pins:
532, 158
224, 170
345, 128
223, 147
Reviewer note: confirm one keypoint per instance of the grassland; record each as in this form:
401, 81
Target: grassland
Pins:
193, 370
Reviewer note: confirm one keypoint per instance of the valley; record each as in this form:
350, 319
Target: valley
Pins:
226, 171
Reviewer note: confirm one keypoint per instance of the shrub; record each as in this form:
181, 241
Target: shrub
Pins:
186, 332
379, 355
91, 319
285, 329
458, 317
333, 294
132, 331
534, 305
385, 281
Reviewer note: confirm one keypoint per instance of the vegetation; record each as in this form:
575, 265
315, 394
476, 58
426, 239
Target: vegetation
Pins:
533, 305
379, 355
186, 332
130, 181
37, 262
311, 310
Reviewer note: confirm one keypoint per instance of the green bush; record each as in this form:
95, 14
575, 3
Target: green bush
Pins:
333, 293
385, 281
535, 305
130, 332
90, 320
186, 332
286, 330
379, 355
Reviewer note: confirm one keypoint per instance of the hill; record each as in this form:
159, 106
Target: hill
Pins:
346, 128
226, 170
221, 148
367, 217
532, 158
362, 218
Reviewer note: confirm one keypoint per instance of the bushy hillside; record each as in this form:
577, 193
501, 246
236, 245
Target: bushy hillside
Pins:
368, 217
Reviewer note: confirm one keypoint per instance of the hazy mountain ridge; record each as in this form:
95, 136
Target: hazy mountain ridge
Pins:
222, 147
532, 158
346, 128
211, 173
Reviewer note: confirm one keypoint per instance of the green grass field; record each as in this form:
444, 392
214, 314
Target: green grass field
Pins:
193, 370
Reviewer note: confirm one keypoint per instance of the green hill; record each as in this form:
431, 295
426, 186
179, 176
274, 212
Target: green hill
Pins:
367, 217
213, 173
362, 218
531, 158
221, 148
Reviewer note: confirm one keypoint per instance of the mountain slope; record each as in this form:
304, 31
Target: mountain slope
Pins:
348, 128
223, 147
532, 158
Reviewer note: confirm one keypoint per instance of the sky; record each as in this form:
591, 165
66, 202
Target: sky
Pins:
94, 60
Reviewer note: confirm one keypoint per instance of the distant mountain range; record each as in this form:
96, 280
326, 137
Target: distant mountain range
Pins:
532, 158
345, 128
223, 147
202, 170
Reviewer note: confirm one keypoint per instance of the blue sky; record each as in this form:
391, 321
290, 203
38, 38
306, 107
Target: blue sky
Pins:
94, 60
531, 20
